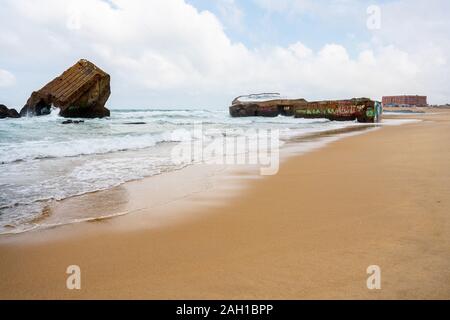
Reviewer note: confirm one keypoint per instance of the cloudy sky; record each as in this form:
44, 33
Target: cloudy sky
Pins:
202, 53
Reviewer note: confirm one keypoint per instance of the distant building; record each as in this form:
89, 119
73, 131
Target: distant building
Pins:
405, 101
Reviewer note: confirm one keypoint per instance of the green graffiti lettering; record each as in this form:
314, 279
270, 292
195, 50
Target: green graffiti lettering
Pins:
370, 113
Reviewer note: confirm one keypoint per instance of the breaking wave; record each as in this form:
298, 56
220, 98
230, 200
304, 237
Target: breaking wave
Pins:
42, 159
34, 150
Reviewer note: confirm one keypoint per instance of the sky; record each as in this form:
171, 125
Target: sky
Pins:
203, 53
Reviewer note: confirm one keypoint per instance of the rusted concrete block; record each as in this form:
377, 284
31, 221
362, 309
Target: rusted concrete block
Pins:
361, 109
264, 108
80, 92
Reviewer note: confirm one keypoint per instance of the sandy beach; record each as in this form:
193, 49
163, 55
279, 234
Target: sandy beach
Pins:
309, 232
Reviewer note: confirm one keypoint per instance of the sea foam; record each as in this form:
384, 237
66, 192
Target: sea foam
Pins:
43, 160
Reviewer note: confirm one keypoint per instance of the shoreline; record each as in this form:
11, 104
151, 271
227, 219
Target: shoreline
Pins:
292, 146
278, 238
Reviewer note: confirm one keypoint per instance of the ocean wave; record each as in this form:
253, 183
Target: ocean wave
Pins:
21, 204
47, 149
99, 154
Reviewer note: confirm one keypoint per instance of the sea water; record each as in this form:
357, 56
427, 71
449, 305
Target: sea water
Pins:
44, 160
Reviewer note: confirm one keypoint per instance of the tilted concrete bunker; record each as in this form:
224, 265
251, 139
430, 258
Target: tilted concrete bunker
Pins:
80, 92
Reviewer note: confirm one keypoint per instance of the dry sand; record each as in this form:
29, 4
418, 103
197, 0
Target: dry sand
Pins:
311, 231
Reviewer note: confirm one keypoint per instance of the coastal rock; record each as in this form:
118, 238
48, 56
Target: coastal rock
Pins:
135, 123
8, 113
80, 92
72, 122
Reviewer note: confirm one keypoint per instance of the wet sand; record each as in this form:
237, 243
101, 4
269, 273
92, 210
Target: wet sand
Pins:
311, 231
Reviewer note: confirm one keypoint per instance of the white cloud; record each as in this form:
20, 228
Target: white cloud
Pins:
421, 29
231, 13
6, 78
295, 6
316, 7
169, 52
